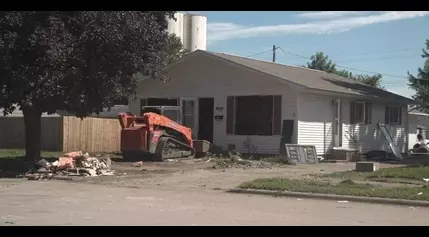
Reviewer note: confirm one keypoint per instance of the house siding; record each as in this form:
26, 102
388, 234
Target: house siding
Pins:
315, 119
368, 137
315, 116
414, 121
206, 77
412, 130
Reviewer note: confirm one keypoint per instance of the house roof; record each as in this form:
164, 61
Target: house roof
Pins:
313, 79
415, 111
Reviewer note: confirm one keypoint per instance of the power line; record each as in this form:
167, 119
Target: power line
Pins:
392, 84
256, 54
358, 70
340, 66
381, 51
379, 59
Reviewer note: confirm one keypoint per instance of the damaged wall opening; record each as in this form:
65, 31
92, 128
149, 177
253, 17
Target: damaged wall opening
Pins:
158, 102
254, 115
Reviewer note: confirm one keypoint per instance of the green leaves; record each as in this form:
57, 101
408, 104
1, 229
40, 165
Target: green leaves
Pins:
321, 62
420, 82
77, 61
174, 50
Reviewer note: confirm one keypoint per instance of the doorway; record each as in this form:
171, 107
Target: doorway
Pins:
338, 125
206, 119
190, 114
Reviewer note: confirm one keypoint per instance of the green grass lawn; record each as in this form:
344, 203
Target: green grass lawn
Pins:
17, 153
408, 174
13, 162
342, 188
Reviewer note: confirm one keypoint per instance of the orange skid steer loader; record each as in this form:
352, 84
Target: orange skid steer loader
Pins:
156, 135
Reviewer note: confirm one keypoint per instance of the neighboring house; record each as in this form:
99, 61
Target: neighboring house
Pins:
250, 105
418, 121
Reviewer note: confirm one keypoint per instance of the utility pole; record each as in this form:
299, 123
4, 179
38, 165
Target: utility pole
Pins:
274, 53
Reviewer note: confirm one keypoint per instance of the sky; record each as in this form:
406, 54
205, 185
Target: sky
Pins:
378, 42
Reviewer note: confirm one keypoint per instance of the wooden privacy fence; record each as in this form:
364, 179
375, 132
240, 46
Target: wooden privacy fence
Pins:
91, 134
12, 133
65, 133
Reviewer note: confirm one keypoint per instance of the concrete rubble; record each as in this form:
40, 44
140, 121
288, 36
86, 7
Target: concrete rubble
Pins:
234, 159
71, 164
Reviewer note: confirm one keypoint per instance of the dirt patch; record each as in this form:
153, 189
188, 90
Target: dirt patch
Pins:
224, 163
215, 173
191, 175
237, 160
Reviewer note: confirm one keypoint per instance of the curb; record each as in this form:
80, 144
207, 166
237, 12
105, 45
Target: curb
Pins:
332, 197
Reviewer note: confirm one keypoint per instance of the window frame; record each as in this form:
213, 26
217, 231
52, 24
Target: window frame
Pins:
399, 117
366, 113
271, 116
363, 112
275, 115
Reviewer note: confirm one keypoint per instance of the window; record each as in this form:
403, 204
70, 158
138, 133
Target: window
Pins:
188, 113
254, 115
393, 115
158, 102
360, 112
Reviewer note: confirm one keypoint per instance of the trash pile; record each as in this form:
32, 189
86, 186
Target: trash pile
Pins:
71, 164
234, 159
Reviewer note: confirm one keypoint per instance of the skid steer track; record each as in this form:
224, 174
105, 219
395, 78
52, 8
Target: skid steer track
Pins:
170, 148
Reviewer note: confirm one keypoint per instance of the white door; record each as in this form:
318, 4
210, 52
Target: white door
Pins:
190, 114
338, 125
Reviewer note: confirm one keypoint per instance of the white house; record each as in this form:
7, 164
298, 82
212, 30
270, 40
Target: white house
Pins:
417, 121
250, 105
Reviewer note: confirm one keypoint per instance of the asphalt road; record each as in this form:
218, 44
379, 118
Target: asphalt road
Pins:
61, 203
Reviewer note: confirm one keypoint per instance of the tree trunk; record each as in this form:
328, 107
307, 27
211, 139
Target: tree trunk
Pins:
33, 135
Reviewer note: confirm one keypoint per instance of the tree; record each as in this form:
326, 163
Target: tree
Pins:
75, 61
321, 62
344, 73
420, 82
174, 50
372, 80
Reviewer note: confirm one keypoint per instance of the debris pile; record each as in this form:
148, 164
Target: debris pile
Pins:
71, 164
234, 159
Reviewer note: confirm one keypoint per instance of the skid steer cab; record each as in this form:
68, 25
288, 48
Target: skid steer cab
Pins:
157, 134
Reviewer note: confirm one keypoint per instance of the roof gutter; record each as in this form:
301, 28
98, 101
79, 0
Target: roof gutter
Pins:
354, 96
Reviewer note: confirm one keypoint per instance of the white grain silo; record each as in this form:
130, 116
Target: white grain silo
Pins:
198, 32
176, 26
191, 28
